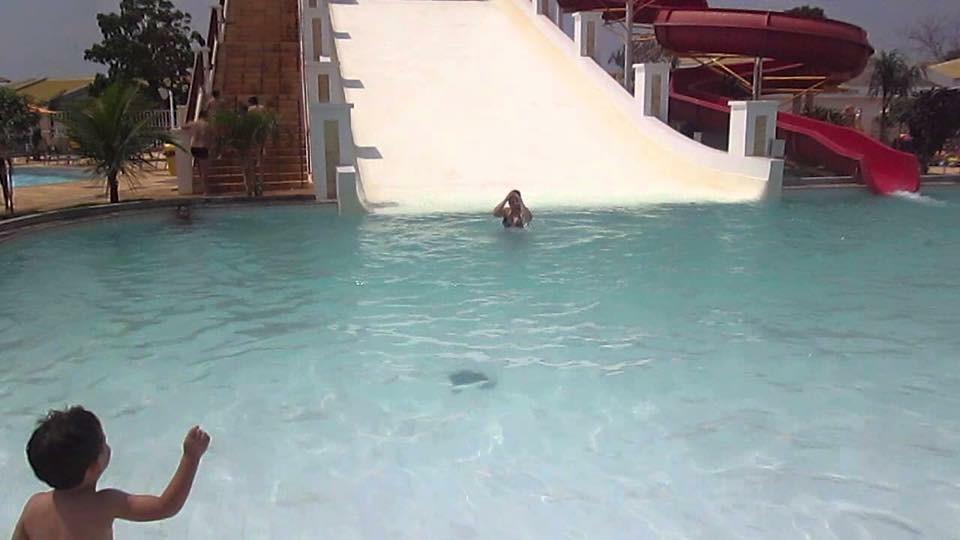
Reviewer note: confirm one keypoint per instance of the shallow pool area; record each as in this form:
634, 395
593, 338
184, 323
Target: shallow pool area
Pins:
676, 371
27, 176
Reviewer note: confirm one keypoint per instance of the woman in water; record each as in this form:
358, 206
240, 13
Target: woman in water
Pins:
512, 211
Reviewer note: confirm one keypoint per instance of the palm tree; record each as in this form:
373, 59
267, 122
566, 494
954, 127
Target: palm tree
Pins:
113, 135
247, 133
892, 78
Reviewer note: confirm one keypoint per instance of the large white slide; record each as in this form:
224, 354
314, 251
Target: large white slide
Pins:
457, 102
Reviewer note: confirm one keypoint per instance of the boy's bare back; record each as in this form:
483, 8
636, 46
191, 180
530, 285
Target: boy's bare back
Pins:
52, 515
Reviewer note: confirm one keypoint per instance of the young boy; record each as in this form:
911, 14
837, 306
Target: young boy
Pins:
69, 451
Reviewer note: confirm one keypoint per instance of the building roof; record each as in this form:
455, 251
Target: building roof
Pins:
44, 90
946, 72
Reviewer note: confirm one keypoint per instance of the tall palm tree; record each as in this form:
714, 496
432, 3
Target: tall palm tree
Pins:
892, 78
247, 133
113, 135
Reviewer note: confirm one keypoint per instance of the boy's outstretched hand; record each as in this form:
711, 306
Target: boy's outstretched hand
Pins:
196, 442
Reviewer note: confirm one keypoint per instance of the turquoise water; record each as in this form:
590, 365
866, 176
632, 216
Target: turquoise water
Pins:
674, 372
38, 176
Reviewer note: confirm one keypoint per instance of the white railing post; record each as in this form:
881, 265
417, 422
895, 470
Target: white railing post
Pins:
184, 163
586, 25
331, 144
651, 85
540, 7
753, 128
351, 199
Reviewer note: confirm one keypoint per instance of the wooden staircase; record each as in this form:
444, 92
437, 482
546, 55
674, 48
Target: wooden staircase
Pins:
260, 56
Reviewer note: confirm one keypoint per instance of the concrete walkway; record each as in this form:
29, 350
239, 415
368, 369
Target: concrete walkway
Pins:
151, 186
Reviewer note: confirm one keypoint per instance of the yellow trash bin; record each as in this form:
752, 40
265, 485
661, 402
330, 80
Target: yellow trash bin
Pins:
170, 152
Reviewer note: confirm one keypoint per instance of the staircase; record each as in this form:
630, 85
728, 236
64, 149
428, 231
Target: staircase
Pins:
260, 56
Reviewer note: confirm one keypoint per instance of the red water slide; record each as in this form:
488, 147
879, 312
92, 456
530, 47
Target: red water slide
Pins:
797, 51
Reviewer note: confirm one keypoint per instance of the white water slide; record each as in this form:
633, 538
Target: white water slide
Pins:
457, 102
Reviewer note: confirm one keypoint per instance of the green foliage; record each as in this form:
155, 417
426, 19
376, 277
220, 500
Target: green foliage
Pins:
933, 117
826, 114
892, 78
247, 134
17, 121
149, 41
646, 50
113, 134
808, 12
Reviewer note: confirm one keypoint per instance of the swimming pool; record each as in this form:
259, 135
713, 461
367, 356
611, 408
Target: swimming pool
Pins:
26, 176
705, 371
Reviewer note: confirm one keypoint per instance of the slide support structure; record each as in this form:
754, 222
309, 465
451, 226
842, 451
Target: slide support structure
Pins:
753, 128
652, 89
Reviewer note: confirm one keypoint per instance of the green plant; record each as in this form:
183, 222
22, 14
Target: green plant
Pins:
808, 12
17, 120
826, 114
933, 118
644, 50
892, 78
107, 133
247, 133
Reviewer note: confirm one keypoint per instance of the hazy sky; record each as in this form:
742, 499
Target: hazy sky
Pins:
47, 37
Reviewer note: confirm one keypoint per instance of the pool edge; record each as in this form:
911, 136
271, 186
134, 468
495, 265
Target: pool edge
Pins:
10, 227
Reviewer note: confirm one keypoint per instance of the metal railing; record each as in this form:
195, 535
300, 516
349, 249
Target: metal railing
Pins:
202, 80
306, 165
159, 119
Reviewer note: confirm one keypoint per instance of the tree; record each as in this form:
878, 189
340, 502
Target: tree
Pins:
892, 78
114, 135
826, 114
247, 134
937, 37
17, 120
149, 41
807, 12
644, 50
933, 117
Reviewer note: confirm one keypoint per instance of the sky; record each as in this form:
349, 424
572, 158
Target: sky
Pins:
48, 37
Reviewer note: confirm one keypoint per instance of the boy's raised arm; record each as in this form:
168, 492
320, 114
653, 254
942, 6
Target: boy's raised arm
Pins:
152, 508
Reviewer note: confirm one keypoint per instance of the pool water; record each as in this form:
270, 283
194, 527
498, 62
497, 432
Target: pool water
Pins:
38, 176
785, 371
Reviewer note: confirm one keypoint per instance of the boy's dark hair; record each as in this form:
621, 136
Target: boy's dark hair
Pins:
64, 445
215, 93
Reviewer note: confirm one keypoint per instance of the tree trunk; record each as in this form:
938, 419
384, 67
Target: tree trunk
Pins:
883, 117
114, 186
249, 176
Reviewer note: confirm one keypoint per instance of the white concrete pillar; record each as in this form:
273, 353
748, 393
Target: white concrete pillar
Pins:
323, 82
651, 89
351, 199
586, 26
753, 127
540, 7
331, 144
184, 163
